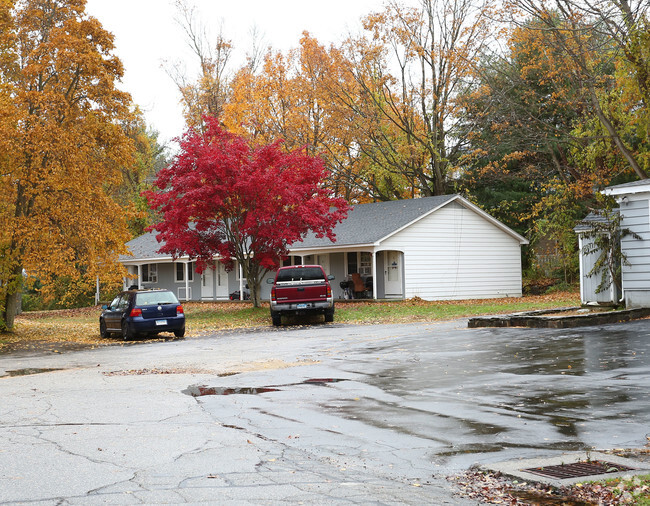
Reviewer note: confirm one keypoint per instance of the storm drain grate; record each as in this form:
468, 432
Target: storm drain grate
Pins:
578, 469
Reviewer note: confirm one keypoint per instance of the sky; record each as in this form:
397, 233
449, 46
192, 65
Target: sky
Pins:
147, 35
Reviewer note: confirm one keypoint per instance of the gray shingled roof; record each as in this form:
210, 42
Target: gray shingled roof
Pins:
368, 223
585, 224
144, 246
365, 224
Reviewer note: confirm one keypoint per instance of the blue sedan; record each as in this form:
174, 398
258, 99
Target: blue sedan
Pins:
142, 312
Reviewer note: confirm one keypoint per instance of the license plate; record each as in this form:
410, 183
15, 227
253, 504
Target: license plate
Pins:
161, 322
301, 306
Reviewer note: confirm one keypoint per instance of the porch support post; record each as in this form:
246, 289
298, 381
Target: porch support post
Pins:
186, 266
241, 283
374, 275
139, 276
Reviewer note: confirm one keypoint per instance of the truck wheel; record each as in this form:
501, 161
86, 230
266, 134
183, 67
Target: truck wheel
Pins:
329, 315
277, 319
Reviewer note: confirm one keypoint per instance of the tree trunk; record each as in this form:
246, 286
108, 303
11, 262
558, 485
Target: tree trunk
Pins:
254, 287
254, 275
623, 149
12, 298
10, 310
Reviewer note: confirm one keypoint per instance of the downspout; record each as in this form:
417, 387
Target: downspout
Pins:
241, 283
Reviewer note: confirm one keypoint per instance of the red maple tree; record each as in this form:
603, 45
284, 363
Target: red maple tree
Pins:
221, 197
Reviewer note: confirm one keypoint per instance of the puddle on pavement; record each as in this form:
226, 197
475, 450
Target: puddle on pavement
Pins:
320, 381
29, 371
201, 390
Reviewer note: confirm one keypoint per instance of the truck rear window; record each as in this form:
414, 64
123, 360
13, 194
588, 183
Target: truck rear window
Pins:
300, 274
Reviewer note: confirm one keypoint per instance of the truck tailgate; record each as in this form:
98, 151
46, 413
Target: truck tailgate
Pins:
305, 291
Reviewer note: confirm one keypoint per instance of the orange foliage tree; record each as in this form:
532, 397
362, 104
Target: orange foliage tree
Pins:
608, 30
294, 97
62, 146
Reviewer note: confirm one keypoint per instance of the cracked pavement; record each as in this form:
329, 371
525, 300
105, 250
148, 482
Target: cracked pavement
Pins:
319, 414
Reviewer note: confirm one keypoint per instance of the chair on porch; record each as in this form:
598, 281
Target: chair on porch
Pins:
359, 286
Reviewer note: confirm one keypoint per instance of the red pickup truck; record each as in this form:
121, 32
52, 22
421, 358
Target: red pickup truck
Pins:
300, 290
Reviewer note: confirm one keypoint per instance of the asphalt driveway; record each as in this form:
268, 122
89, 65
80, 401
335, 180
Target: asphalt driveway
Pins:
324, 413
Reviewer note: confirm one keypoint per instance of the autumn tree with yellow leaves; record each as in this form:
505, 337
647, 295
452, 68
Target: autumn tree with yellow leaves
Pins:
295, 97
62, 145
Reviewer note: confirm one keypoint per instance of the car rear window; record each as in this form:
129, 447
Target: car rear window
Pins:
301, 274
155, 298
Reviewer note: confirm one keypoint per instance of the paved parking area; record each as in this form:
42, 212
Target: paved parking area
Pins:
323, 413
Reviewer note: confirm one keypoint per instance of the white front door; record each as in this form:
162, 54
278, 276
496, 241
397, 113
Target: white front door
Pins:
324, 261
393, 274
207, 284
222, 281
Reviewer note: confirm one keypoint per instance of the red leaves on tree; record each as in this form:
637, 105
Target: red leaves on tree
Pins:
221, 196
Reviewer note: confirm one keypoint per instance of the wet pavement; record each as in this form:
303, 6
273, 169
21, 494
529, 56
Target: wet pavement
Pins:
327, 413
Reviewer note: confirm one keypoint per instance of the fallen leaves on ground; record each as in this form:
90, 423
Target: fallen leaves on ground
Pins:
74, 328
495, 488
155, 370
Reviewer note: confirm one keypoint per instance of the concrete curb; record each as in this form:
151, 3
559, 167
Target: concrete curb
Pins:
539, 319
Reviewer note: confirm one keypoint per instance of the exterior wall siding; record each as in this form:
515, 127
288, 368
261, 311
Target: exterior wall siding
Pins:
456, 254
589, 284
636, 277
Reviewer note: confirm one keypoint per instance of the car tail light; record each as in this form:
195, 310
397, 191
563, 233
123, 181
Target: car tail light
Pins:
180, 310
329, 290
273, 294
136, 311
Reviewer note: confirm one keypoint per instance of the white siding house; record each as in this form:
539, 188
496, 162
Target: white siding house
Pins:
435, 248
634, 201
456, 253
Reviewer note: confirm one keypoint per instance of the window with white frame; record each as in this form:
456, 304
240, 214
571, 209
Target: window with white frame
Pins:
365, 263
150, 273
180, 272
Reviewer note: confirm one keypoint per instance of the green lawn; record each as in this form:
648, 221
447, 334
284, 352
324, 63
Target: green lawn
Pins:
236, 315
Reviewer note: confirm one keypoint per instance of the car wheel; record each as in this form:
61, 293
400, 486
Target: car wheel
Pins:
329, 315
180, 332
127, 335
103, 333
277, 319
